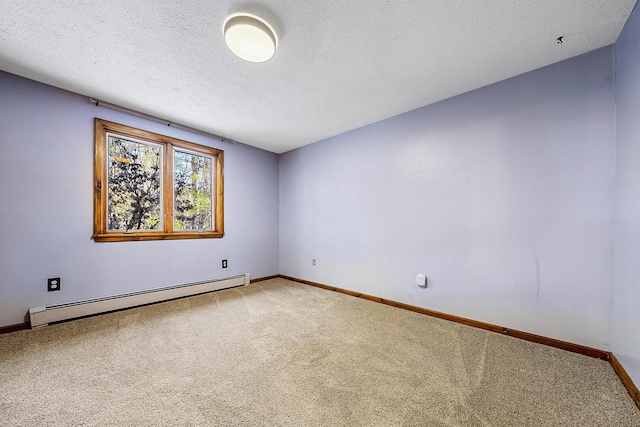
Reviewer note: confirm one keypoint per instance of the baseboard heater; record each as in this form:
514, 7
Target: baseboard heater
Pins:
40, 316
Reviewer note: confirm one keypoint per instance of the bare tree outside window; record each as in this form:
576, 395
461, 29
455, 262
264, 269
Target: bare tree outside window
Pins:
134, 189
193, 181
149, 186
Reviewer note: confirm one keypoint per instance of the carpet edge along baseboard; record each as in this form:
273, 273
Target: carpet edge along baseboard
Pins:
625, 378
552, 342
262, 279
565, 345
13, 328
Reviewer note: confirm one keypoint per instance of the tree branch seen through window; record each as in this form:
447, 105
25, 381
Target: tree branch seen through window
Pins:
150, 186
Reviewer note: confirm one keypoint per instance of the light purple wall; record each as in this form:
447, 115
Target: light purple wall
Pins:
626, 285
46, 208
502, 196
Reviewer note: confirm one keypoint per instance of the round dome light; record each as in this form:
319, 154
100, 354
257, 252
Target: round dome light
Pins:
250, 37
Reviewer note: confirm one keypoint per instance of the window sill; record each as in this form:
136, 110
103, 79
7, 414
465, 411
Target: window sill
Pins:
127, 237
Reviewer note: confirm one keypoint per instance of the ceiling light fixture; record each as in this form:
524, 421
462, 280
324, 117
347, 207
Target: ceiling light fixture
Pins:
250, 37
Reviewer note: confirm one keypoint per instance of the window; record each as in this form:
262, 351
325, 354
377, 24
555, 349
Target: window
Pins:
154, 187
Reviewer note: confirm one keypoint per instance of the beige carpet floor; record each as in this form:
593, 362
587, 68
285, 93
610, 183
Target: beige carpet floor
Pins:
279, 353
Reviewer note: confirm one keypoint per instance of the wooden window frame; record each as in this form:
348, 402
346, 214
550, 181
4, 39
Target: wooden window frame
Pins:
100, 232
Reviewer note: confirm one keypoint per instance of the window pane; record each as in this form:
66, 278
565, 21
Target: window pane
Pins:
134, 189
192, 190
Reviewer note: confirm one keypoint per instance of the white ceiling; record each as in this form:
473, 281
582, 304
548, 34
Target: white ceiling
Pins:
340, 64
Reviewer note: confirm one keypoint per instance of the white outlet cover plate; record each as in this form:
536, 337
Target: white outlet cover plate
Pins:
421, 280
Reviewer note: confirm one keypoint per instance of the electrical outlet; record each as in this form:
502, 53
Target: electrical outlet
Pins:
224, 263
313, 262
53, 284
421, 280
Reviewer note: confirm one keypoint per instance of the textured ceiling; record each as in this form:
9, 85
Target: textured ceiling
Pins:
339, 65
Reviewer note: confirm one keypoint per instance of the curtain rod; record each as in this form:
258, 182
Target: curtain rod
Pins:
110, 106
